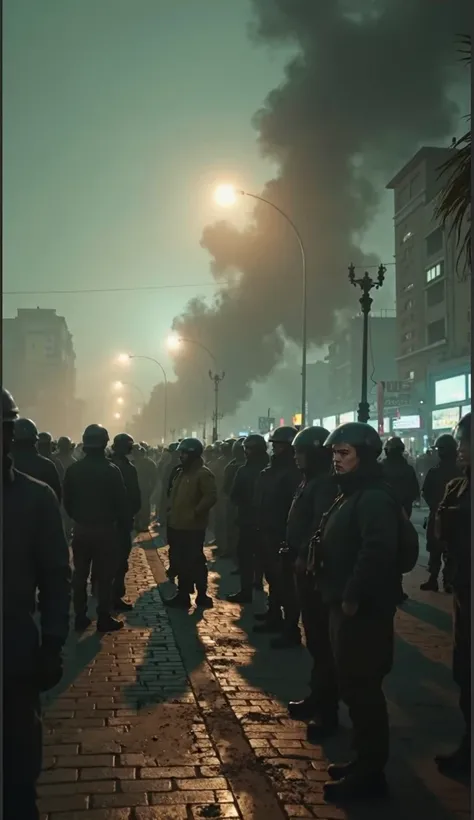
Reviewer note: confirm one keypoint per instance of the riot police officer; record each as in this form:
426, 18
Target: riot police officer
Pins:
96, 500
242, 495
454, 528
28, 460
434, 487
313, 498
275, 490
121, 448
46, 448
231, 470
357, 572
35, 557
400, 475
147, 475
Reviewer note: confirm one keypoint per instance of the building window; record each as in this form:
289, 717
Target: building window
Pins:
436, 332
435, 294
435, 272
434, 242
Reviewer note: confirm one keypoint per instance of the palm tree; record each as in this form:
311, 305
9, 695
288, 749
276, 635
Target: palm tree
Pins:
454, 206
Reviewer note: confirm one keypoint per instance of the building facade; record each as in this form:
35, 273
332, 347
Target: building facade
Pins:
39, 369
433, 294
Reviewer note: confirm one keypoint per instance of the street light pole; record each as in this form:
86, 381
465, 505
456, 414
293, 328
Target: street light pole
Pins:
215, 418
216, 388
304, 318
165, 398
366, 284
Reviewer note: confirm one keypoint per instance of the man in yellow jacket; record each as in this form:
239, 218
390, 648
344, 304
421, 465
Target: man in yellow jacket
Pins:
192, 495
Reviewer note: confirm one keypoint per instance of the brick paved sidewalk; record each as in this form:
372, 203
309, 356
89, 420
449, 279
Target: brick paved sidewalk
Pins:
182, 716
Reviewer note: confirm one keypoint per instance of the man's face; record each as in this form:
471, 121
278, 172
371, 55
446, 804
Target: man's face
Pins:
345, 458
300, 458
184, 457
464, 452
278, 448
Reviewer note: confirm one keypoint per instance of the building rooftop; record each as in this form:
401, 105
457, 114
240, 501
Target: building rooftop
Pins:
425, 153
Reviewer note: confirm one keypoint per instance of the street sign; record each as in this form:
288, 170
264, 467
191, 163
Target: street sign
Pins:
265, 424
398, 387
402, 400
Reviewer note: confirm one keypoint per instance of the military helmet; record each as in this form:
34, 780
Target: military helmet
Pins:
173, 447
123, 438
310, 438
95, 436
25, 430
64, 443
283, 435
237, 446
446, 443
357, 434
394, 445
45, 438
256, 442
463, 430
191, 446
9, 408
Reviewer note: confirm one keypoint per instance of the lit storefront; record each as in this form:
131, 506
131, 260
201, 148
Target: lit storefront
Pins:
451, 395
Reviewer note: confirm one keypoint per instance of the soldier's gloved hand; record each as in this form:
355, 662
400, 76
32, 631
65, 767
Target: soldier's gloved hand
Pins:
49, 670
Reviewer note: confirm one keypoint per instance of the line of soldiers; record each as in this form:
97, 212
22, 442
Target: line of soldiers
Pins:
321, 521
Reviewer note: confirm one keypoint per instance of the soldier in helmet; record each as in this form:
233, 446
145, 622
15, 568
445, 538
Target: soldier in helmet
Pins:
400, 475
275, 490
96, 500
46, 448
454, 529
193, 494
147, 476
121, 450
65, 452
35, 557
243, 496
434, 488
355, 560
313, 498
231, 470
220, 509
28, 460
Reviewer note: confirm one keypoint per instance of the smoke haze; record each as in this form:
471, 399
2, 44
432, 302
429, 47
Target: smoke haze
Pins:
368, 86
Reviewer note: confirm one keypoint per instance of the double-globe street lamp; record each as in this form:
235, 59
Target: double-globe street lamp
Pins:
366, 284
174, 342
126, 357
226, 195
118, 386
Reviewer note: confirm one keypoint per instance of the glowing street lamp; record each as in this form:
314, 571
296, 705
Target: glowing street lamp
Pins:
173, 341
124, 358
226, 196
117, 416
120, 400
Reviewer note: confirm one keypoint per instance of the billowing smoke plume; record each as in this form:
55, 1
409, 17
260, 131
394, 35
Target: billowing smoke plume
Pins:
368, 87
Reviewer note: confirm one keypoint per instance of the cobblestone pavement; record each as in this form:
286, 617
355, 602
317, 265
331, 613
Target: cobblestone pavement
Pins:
181, 716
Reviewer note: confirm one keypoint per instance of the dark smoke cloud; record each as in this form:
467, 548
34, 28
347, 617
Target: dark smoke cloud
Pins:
367, 88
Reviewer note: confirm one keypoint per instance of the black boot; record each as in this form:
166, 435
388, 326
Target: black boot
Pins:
356, 786
109, 624
81, 623
302, 709
204, 601
240, 597
337, 771
122, 606
178, 601
322, 726
431, 585
269, 627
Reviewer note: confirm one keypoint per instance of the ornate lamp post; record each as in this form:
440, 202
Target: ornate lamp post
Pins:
366, 284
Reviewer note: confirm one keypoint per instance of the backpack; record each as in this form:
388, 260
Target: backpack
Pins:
408, 541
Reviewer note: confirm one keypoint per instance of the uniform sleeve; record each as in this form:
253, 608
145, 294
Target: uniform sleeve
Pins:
136, 497
236, 489
54, 481
378, 524
207, 484
53, 572
120, 497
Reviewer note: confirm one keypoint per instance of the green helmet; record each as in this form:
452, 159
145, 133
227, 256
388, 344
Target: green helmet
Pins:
191, 446
357, 434
256, 442
310, 438
65, 444
283, 435
463, 430
9, 408
95, 436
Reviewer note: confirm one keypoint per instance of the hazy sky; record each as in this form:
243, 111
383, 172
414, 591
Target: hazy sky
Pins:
119, 116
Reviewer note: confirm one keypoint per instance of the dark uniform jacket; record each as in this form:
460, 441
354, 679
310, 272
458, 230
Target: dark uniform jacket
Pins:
453, 526
28, 460
230, 472
94, 493
65, 461
275, 489
35, 557
434, 488
242, 493
147, 476
130, 479
312, 499
359, 546
401, 477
